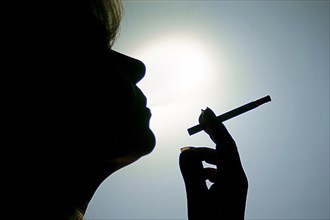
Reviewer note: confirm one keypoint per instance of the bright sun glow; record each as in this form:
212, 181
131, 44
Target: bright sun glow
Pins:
179, 72
176, 67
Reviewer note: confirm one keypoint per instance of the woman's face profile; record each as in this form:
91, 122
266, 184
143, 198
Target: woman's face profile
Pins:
130, 134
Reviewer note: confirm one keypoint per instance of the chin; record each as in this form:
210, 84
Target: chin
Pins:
146, 143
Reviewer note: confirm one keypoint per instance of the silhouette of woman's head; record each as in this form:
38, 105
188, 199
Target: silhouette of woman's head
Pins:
77, 105
91, 90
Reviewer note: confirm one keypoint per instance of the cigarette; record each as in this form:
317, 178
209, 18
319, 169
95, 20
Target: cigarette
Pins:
233, 113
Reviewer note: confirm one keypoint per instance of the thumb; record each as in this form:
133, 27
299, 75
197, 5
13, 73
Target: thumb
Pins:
191, 168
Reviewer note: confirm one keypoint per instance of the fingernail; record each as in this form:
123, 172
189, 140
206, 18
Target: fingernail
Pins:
208, 114
186, 148
208, 110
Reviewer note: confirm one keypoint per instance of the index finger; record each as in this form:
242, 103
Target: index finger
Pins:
215, 128
228, 159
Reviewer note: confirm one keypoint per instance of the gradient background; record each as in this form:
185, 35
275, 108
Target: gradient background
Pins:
223, 54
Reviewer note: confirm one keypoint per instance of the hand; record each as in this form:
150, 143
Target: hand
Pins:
226, 198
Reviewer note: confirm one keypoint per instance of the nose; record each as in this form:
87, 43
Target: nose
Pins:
134, 68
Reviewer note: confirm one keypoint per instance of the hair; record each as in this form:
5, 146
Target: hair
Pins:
108, 14
40, 40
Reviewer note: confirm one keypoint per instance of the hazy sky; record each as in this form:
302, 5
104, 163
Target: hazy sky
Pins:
223, 54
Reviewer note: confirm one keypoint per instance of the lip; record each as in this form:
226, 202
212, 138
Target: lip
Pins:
144, 111
148, 112
144, 108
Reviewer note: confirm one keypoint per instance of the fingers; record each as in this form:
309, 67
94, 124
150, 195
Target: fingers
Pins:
205, 154
210, 174
228, 157
230, 183
215, 128
194, 176
209, 156
196, 190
